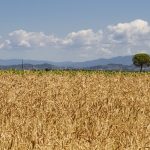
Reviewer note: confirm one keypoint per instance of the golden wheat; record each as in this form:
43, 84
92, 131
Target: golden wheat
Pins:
74, 112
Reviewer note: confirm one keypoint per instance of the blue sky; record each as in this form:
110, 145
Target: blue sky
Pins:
73, 30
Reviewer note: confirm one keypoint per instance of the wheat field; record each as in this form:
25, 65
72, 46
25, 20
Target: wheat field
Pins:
74, 111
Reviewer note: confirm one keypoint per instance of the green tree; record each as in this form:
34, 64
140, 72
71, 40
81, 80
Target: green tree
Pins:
140, 60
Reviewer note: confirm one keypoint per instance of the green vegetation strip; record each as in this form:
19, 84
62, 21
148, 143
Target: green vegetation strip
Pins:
72, 72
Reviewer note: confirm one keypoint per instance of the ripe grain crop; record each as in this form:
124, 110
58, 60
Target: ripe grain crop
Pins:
74, 111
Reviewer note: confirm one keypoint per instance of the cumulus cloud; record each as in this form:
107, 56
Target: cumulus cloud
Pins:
130, 37
130, 32
120, 39
4, 43
22, 38
84, 37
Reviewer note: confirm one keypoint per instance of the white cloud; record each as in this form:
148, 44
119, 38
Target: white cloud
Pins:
129, 38
4, 43
136, 26
85, 37
120, 39
22, 38
130, 32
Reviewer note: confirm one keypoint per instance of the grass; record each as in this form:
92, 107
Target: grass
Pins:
74, 110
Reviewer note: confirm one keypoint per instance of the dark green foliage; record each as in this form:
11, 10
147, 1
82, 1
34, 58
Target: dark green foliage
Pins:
141, 60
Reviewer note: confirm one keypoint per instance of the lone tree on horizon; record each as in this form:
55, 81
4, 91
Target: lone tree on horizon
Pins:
140, 60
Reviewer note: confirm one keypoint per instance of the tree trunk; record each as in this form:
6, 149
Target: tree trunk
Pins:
141, 68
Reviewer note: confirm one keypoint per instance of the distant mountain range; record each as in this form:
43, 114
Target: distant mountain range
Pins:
124, 60
116, 63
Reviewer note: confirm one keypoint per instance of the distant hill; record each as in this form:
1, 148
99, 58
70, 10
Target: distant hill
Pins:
7, 62
124, 60
116, 63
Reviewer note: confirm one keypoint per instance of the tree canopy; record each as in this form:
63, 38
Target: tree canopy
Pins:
141, 59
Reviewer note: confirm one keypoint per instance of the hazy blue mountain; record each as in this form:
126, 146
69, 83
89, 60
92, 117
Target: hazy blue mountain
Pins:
125, 60
19, 61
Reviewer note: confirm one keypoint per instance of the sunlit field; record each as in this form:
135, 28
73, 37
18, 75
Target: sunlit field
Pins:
74, 110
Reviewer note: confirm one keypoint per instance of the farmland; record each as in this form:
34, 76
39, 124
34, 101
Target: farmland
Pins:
74, 110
